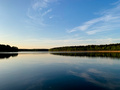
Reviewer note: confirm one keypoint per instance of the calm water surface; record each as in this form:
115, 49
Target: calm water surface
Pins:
59, 71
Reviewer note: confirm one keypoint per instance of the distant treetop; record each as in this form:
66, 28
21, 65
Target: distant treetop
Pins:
107, 47
8, 48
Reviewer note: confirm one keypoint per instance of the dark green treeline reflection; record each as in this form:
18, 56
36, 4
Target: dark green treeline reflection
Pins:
7, 55
86, 54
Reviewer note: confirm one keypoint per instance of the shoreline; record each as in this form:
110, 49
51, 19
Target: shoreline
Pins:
85, 51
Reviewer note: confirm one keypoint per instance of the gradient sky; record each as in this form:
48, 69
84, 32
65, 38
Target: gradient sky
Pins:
51, 23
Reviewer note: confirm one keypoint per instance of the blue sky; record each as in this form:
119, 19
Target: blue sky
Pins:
51, 23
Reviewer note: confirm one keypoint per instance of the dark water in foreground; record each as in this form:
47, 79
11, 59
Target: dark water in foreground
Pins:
59, 71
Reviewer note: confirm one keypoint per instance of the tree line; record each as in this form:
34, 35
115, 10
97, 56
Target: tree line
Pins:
8, 48
33, 49
107, 47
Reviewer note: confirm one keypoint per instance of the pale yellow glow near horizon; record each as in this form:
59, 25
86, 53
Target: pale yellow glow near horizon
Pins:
49, 43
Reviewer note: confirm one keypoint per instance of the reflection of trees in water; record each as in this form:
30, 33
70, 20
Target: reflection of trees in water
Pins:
8, 55
111, 55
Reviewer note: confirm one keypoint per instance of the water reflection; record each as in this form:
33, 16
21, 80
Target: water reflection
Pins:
44, 71
7, 55
106, 80
91, 54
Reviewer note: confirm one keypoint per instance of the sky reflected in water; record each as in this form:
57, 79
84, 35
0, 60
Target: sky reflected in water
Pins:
45, 71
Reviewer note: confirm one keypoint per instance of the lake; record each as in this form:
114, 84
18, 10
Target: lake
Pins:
59, 71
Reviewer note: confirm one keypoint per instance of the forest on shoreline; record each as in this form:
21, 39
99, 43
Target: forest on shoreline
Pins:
33, 50
8, 48
107, 47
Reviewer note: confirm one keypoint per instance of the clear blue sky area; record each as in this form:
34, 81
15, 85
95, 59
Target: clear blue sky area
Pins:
51, 23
